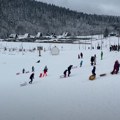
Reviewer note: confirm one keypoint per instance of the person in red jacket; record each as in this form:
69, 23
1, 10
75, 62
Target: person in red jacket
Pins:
45, 71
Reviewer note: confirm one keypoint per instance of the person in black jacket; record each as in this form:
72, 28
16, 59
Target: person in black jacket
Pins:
65, 72
92, 60
31, 78
93, 71
69, 70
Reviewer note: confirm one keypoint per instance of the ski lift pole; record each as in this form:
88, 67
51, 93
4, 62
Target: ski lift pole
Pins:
118, 42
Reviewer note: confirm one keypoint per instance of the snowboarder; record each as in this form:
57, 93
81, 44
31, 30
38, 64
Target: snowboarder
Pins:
116, 67
65, 72
81, 62
69, 70
31, 78
101, 55
93, 70
45, 71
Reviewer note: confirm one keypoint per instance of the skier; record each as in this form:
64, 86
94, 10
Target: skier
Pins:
116, 67
69, 70
101, 55
93, 70
45, 71
81, 62
31, 78
65, 72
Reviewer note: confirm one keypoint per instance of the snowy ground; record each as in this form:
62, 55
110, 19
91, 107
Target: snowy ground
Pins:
52, 98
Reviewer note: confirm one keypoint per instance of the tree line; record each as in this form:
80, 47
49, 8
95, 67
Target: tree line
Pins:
30, 16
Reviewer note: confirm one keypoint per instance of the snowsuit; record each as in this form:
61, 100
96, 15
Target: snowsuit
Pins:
93, 71
31, 78
65, 72
92, 60
33, 68
23, 71
101, 55
69, 70
116, 67
45, 71
81, 62
81, 54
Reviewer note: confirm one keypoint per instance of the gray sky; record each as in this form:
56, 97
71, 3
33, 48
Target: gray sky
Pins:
107, 7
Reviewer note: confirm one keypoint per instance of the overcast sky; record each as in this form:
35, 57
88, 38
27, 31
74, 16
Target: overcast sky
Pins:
107, 7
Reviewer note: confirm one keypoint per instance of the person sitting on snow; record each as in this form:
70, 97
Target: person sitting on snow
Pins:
116, 67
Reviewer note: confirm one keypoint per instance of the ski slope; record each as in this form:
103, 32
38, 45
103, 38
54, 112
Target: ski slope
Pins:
52, 98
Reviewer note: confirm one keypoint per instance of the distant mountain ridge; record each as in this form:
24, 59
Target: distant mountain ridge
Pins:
30, 16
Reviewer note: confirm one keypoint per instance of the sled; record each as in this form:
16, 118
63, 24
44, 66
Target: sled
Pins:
104, 74
41, 75
17, 73
23, 84
74, 67
27, 72
92, 77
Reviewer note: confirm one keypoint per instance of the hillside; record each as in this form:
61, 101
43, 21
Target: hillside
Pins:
52, 97
21, 16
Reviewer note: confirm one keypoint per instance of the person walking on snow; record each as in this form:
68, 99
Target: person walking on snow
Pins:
33, 69
81, 55
116, 67
81, 62
31, 78
92, 60
45, 71
23, 71
69, 70
101, 55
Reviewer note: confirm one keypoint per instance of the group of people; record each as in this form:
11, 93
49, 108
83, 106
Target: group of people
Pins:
33, 74
80, 55
114, 48
68, 70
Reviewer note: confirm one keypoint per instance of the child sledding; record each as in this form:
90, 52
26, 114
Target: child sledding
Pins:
44, 72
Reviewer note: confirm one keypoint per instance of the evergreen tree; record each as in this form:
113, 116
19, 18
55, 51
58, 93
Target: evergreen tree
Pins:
106, 33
